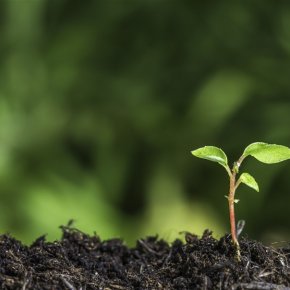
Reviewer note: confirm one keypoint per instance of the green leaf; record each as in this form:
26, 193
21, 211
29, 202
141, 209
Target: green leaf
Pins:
267, 153
211, 153
249, 180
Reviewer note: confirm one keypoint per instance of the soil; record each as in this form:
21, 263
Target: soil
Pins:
82, 262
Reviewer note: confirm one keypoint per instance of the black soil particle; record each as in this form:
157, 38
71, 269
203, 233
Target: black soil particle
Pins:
82, 262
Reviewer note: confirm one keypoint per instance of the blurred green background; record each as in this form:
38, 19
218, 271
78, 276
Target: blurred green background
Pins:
101, 103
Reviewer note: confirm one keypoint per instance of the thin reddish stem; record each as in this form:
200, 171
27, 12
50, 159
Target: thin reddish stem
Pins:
231, 199
232, 208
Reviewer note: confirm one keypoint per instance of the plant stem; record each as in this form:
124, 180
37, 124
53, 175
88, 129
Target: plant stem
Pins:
231, 200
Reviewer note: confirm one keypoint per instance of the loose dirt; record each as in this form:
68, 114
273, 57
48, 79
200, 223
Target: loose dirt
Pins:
82, 262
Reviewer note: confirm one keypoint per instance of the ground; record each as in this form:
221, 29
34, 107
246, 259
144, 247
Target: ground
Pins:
82, 262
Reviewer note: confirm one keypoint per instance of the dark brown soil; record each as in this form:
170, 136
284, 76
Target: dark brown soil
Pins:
79, 261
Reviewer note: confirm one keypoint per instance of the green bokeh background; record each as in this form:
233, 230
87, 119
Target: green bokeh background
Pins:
101, 103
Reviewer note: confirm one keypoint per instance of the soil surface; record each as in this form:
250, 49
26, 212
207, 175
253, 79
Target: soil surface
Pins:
82, 262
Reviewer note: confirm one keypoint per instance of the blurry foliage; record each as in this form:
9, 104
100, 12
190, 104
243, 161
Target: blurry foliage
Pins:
102, 101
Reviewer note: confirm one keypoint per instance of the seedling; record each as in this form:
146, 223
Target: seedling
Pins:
265, 153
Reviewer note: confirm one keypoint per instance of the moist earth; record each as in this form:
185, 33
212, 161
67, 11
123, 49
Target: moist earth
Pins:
82, 262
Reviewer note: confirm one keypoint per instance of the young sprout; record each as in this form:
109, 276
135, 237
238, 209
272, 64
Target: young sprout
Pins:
263, 152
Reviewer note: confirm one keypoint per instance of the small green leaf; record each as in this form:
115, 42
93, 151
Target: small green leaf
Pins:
249, 180
267, 153
211, 153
